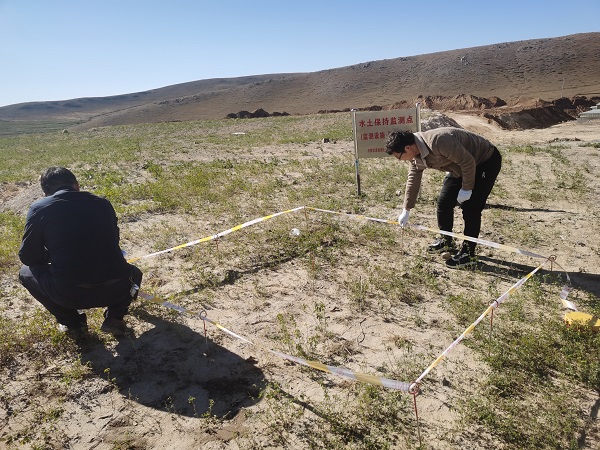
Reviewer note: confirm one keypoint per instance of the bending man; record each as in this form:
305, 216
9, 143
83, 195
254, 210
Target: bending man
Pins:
471, 163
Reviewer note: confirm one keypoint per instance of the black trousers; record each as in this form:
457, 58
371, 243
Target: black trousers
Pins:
62, 298
485, 177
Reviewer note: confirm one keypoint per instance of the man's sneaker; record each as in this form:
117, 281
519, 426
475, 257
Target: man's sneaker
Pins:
114, 326
441, 244
462, 260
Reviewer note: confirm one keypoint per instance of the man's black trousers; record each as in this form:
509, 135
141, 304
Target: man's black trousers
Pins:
485, 177
62, 298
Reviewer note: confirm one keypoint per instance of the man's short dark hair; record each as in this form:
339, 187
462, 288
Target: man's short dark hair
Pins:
55, 178
398, 140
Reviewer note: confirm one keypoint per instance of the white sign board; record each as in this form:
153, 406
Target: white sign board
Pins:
371, 129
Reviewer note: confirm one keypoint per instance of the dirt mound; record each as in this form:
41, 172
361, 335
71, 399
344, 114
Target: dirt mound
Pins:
254, 114
524, 119
461, 102
438, 120
521, 114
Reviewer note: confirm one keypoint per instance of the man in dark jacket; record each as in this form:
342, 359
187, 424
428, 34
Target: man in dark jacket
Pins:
71, 256
471, 163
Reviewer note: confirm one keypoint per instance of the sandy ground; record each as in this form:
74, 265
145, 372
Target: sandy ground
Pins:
121, 404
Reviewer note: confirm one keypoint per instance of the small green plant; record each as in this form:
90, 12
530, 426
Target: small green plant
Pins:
75, 372
123, 444
373, 419
211, 420
290, 334
357, 292
591, 144
280, 415
570, 180
320, 314
11, 231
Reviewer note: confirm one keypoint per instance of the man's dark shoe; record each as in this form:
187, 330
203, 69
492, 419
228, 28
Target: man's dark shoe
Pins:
114, 326
441, 244
462, 261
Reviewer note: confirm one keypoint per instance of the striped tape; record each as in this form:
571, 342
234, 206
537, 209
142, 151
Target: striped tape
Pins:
216, 236
471, 327
339, 371
507, 248
565, 290
411, 387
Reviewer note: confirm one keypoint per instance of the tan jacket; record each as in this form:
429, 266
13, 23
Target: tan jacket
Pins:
450, 150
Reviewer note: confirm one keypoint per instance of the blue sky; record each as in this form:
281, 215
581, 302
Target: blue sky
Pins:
63, 49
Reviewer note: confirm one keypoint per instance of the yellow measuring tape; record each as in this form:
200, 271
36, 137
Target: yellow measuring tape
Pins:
471, 327
216, 236
564, 292
410, 387
339, 371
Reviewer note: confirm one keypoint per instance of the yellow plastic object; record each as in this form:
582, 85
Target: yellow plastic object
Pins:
579, 318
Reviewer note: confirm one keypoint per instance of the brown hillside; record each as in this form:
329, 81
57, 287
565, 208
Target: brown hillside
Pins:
85, 108
515, 76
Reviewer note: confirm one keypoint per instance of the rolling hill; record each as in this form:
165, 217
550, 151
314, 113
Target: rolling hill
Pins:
503, 79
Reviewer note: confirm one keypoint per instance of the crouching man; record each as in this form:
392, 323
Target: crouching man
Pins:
71, 256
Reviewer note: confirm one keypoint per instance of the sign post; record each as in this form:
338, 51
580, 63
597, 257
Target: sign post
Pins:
371, 130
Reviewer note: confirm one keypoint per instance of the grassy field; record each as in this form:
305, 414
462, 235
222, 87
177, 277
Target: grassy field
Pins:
12, 128
532, 382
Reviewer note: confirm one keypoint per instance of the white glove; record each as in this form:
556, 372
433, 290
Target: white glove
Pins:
403, 218
463, 195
